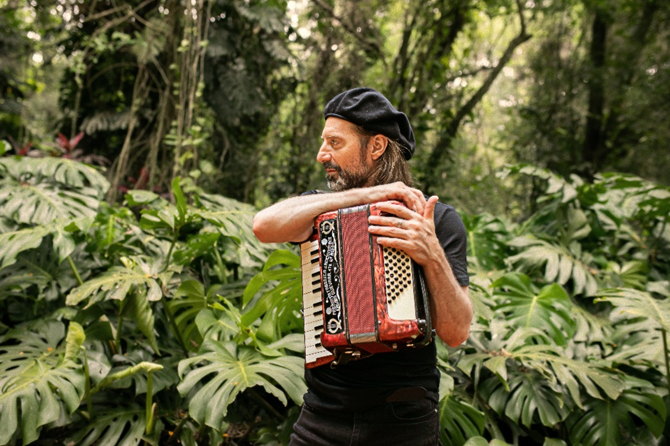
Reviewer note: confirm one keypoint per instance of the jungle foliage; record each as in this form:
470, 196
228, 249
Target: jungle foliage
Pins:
167, 322
136, 306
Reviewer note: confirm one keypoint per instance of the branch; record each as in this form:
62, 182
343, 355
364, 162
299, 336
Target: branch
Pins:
445, 140
372, 45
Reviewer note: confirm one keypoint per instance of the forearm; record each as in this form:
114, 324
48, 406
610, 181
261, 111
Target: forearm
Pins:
451, 308
291, 220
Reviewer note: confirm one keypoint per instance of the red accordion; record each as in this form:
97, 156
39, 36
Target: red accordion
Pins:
359, 297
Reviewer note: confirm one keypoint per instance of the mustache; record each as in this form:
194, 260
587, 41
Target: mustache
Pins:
332, 165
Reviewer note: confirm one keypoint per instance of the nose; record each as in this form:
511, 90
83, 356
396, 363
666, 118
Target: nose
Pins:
323, 155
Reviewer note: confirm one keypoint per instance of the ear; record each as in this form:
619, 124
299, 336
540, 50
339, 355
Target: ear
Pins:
377, 145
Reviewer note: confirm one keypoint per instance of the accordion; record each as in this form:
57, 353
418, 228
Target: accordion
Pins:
359, 297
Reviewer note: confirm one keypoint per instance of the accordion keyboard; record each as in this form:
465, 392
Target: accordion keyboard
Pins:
312, 305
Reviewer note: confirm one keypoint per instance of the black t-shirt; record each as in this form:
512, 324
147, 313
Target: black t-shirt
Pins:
359, 385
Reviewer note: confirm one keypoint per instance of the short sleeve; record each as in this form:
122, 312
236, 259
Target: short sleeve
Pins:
451, 233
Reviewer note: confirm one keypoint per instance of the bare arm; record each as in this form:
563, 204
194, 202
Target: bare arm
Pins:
414, 233
291, 220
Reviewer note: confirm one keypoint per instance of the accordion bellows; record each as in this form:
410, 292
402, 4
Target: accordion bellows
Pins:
359, 297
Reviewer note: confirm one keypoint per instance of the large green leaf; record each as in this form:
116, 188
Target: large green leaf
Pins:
235, 368
564, 373
37, 373
61, 170
523, 306
487, 238
116, 283
604, 421
280, 306
120, 426
530, 399
39, 191
562, 262
634, 303
13, 243
459, 421
639, 318
234, 219
189, 300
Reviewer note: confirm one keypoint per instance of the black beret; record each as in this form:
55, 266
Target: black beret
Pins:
369, 109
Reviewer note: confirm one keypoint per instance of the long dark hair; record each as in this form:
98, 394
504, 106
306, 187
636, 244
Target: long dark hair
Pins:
391, 166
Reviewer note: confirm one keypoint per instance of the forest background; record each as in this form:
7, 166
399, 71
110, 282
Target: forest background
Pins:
138, 138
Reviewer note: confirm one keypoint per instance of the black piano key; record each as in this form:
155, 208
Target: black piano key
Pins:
318, 327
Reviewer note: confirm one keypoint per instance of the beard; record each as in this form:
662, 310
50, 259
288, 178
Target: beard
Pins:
345, 179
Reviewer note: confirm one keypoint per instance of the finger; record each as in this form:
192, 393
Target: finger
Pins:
429, 211
388, 231
394, 242
395, 209
388, 222
418, 201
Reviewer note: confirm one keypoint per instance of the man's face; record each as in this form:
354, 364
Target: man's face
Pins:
342, 154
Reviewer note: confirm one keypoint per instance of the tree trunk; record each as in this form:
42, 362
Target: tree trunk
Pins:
592, 149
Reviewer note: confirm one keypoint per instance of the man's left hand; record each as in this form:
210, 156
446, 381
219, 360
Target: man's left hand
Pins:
407, 230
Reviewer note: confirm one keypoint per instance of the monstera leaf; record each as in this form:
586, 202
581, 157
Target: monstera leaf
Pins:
562, 262
459, 421
14, 243
524, 306
38, 374
569, 374
235, 368
39, 271
530, 399
234, 220
631, 303
120, 426
481, 441
487, 238
117, 282
39, 191
61, 170
639, 319
604, 421
280, 306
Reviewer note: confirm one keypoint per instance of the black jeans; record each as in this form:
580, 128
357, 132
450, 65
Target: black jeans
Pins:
412, 423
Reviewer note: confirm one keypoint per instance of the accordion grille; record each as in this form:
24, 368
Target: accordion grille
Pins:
358, 273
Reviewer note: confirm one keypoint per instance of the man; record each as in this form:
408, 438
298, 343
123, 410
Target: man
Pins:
388, 398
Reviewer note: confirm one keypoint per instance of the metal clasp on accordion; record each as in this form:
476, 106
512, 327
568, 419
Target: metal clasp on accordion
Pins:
359, 298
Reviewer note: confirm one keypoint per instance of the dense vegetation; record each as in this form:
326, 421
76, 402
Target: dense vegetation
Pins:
136, 306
